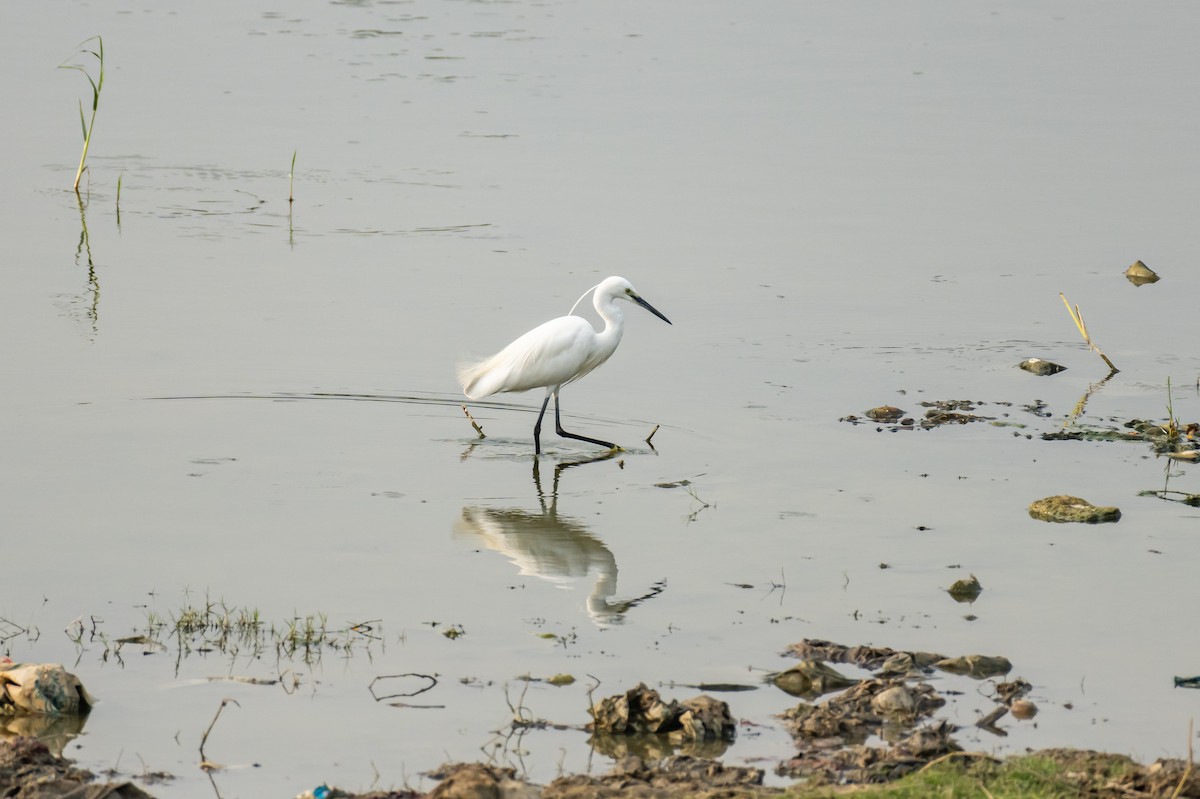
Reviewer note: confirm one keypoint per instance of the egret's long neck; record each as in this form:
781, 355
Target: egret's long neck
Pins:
614, 323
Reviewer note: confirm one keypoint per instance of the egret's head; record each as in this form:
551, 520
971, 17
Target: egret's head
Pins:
621, 289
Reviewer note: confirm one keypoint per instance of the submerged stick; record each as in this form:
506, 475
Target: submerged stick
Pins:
1077, 318
204, 762
474, 423
291, 179
652, 432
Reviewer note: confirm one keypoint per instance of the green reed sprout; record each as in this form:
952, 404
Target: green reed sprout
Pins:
97, 84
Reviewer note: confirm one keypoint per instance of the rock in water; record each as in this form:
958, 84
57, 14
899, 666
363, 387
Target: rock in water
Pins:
1063, 508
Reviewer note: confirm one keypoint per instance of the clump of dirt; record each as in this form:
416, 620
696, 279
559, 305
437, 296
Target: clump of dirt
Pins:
29, 770
1104, 774
640, 723
477, 781
679, 776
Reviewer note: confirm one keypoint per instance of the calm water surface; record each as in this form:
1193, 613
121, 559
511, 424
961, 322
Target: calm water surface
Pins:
838, 206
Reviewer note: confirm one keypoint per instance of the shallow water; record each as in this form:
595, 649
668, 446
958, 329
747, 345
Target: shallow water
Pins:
837, 206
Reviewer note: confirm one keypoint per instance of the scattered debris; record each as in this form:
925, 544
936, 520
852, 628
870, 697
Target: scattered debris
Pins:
831, 737
1010, 692
1064, 508
938, 413
952, 412
872, 658
1040, 367
1139, 274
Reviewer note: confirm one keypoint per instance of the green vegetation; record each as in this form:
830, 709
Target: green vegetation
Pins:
215, 626
1054, 774
97, 84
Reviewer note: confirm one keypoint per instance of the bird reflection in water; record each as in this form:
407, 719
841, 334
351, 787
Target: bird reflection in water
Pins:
556, 548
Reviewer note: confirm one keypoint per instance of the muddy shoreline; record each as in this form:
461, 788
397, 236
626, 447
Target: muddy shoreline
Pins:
28, 770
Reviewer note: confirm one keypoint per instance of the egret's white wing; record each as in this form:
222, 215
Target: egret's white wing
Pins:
554, 353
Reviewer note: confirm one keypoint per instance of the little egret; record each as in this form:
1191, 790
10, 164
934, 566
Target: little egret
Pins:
554, 354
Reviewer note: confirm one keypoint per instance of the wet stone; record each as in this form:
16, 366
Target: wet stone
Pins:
967, 590
811, 678
1065, 508
1040, 367
885, 413
1023, 709
1139, 274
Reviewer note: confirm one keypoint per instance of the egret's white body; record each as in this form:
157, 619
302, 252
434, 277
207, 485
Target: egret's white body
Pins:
556, 353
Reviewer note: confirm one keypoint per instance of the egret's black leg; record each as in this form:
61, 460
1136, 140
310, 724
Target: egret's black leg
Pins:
558, 428
537, 428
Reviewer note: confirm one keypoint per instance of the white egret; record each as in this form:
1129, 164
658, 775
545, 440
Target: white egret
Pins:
556, 353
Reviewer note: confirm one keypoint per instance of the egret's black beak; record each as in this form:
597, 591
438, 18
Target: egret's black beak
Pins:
649, 308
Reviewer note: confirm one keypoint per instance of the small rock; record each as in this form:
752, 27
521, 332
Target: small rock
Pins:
1139, 274
1040, 367
1064, 508
811, 678
42, 689
966, 590
884, 413
1023, 709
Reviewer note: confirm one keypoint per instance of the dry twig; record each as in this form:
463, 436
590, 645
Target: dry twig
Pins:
204, 761
1077, 318
474, 423
1187, 771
